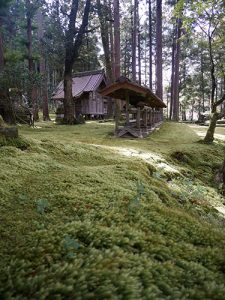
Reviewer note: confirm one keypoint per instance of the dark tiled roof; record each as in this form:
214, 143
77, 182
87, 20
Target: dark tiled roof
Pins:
82, 82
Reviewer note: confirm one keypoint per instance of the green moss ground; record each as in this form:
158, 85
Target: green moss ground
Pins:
87, 216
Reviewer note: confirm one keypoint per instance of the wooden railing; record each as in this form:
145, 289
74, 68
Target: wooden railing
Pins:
145, 118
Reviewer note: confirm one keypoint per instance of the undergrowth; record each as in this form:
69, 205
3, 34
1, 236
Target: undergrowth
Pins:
80, 221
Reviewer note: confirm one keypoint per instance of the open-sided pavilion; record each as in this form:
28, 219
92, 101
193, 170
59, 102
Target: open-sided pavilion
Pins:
138, 110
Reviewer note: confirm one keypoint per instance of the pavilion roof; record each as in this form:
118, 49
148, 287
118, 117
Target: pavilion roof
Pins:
137, 93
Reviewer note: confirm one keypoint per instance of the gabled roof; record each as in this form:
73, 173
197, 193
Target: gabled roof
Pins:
136, 92
82, 82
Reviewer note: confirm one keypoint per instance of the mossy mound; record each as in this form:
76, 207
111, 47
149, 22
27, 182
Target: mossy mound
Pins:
19, 143
181, 156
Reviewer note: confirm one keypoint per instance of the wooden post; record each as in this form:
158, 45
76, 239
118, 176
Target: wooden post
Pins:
138, 118
150, 117
127, 108
145, 117
117, 115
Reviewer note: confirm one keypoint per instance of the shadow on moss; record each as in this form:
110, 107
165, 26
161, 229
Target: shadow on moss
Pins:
17, 142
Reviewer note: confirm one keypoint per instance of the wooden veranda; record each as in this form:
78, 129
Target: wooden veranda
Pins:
138, 110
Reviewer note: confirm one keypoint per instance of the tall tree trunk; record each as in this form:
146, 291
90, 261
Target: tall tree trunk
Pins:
209, 138
159, 74
72, 46
184, 118
212, 73
43, 72
69, 105
103, 18
134, 42
125, 71
32, 90
214, 115
202, 81
150, 42
7, 109
175, 115
139, 44
145, 59
111, 39
105, 35
172, 73
1, 48
117, 38
117, 56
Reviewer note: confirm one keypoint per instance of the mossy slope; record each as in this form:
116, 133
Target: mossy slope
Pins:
80, 221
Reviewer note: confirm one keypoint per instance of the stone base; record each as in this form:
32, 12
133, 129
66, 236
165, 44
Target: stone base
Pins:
127, 132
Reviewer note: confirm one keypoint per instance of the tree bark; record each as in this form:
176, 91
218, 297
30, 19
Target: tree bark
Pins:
214, 115
209, 138
32, 90
139, 44
44, 88
172, 73
134, 42
139, 57
212, 73
150, 42
1, 48
126, 59
202, 81
7, 110
184, 118
159, 74
117, 57
72, 45
117, 38
69, 107
104, 28
111, 39
175, 114
105, 35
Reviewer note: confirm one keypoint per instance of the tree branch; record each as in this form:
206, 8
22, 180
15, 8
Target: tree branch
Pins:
217, 103
78, 40
92, 29
203, 30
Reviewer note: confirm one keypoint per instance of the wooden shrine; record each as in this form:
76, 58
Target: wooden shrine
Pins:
138, 110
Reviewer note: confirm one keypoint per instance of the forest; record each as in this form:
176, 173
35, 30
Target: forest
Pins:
112, 149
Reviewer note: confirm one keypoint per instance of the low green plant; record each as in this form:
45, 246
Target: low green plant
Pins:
136, 201
42, 206
71, 246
